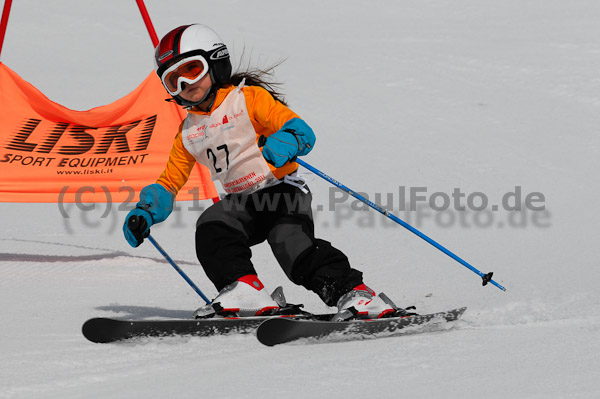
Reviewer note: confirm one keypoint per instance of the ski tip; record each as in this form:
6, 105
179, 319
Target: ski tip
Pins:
89, 331
272, 332
97, 330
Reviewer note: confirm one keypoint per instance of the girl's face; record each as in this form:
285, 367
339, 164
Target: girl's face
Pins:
196, 91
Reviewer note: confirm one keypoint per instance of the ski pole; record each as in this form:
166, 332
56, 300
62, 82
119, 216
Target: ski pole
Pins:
172, 263
133, 222
487, 278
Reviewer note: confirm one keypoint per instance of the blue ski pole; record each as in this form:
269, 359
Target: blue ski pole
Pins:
172, 263
133, 222
487, 278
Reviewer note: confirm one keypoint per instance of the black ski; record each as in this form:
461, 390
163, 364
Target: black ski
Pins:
104, 330
271, 330
278, 331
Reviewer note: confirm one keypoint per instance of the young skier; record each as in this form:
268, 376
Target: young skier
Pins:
239, 127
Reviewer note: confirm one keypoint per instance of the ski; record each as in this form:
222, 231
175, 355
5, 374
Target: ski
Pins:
278, 331
271, 330
105, 330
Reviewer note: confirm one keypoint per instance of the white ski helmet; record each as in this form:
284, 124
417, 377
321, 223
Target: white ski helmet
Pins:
186, 54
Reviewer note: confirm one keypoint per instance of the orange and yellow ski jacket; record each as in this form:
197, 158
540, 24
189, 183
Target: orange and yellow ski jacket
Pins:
267, 116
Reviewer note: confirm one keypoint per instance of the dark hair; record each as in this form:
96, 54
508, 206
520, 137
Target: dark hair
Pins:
259, 77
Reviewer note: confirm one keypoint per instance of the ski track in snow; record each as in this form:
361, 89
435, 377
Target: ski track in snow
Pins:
479, 95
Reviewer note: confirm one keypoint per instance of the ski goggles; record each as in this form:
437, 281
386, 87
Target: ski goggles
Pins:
188, 70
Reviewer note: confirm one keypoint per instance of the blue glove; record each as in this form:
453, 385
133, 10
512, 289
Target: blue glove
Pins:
293, 139
137, 226
156, 204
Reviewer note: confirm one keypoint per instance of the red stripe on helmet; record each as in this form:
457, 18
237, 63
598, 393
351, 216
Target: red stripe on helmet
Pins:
168, 48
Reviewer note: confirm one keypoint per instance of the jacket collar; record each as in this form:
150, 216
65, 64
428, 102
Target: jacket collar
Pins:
220, 97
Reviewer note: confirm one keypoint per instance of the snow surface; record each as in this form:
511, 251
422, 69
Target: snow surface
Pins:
479, 95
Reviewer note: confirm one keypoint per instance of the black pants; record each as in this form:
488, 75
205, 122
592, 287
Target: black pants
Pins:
282, 216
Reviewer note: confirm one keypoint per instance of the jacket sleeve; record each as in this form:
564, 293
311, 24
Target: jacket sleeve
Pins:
178, 168
267, 112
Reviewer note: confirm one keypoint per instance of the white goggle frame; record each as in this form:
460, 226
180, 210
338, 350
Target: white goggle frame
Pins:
182, 79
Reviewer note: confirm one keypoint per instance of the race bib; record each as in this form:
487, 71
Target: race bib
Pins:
225, 142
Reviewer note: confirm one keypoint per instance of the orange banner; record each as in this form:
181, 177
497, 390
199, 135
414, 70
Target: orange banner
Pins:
49, 153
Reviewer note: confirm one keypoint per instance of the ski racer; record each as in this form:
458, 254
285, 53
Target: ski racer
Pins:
240, 128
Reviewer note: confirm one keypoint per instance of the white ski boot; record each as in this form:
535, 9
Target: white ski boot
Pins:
361, 303
245, 297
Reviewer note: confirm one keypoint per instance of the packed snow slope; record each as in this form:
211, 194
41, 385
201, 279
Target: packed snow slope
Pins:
487, 97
